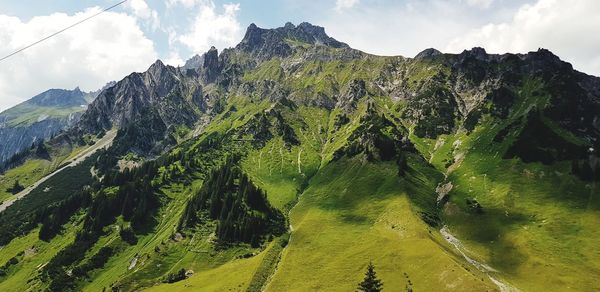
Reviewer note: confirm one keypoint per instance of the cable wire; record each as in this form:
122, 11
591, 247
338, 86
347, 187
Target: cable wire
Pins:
60, 31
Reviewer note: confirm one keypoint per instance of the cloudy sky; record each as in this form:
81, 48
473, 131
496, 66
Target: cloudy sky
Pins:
132, 36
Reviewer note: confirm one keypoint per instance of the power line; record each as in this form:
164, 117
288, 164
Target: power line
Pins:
60, 31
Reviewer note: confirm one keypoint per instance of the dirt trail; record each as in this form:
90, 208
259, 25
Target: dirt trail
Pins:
504, 287
105, 142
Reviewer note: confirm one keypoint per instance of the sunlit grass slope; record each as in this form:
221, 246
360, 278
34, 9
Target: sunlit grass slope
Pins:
353, 213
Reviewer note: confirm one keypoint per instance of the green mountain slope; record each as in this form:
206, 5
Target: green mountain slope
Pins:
292, 161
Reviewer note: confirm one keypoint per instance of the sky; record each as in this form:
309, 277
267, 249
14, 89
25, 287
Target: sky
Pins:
132, 36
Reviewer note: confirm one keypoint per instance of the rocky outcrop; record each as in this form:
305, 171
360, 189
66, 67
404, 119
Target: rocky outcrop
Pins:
211, 67
164, 97
161, 87
440, 93
355, 90
377, 138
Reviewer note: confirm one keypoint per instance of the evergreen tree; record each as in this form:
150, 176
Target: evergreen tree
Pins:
370, 283
16, 188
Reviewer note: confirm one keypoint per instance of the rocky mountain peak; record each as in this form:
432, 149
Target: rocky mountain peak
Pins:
210, 65
477, 53
59, 98
289, 25
193, 63
428, 53
543, 59
157, 67
267, 43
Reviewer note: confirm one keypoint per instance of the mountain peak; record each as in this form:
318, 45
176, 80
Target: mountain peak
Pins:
267, 43
157, 64
59, 98
289, 25
428, 53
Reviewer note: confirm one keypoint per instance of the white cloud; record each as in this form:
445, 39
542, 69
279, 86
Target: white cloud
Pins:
570, 29
105, 48
402, 28
174, 59
209, 28
340, 5
185, 3
480, 3
140, 9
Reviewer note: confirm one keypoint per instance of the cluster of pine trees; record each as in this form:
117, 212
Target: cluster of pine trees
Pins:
587, 169
135, 200
16, 188
56, 215
241, 209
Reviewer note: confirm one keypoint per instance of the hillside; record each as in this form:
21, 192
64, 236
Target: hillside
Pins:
292, 161
40, 118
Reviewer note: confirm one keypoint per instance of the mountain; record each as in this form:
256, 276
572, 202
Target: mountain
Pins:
292, 161
39, 118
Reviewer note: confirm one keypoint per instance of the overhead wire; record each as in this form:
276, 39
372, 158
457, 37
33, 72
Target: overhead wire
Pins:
61, 31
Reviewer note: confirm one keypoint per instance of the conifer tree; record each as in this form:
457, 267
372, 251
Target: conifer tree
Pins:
370, 283
16, 188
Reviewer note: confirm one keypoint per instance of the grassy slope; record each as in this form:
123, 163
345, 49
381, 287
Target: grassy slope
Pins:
35, 254
538, 220
235, 275
27, 174
26, 114
275, 169
34, 169
353, 213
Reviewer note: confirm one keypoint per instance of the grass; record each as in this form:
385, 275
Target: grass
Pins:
537, 221
27, 174
231, 276
25, 115
33, 170
36, 253
537, 229
538, 226
353, 213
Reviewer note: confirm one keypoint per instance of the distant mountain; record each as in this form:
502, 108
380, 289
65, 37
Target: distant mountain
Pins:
41, 117
292, 161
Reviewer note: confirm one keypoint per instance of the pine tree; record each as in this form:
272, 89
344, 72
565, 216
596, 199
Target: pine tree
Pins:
370, 283
16, 188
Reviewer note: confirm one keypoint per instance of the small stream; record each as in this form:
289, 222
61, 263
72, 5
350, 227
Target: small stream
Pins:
504, 287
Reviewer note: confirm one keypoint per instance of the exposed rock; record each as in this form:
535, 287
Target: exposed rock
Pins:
210, 65
162, 94
194, 63
268, 43
428, 53
355, 90
377, 138
443, 190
